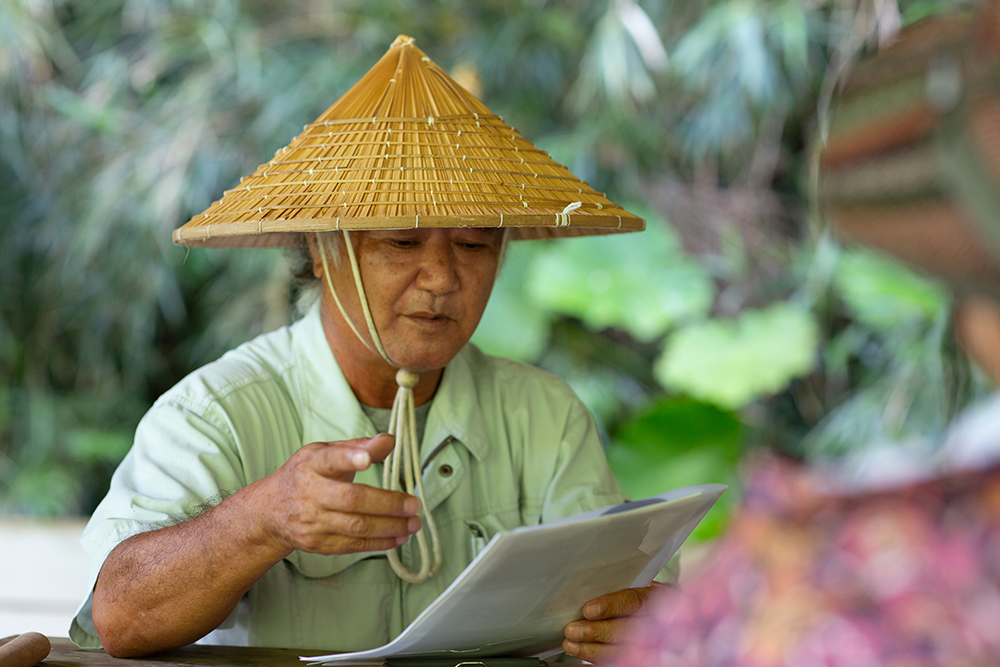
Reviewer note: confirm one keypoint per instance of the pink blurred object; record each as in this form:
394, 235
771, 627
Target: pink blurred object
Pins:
903, 577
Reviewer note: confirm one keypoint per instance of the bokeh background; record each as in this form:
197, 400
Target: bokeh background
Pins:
736, 321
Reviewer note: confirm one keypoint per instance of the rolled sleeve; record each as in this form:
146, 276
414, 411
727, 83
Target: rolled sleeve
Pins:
158, 484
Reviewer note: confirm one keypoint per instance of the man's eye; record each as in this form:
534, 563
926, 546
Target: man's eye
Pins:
475, 244
403, 243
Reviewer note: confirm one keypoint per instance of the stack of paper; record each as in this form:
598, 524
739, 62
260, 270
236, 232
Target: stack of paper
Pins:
516, 597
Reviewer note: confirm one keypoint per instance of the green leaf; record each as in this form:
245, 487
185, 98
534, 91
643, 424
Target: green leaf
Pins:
512, 326
733, 362
792, 32
674, 426
623, 54
641, 283
678, 442
883, 293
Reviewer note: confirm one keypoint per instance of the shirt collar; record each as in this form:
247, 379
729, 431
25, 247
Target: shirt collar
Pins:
331, 411
455, 411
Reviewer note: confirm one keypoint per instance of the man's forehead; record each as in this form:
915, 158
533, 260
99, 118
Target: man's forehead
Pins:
484, 233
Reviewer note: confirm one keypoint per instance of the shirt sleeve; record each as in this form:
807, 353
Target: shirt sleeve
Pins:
581, 478
182, 462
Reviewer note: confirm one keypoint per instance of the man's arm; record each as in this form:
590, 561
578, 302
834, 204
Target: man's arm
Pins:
169, 587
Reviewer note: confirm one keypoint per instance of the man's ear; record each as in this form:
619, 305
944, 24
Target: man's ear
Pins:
314, 252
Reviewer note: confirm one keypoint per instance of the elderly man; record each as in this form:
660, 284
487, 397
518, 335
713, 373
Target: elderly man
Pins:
250, 508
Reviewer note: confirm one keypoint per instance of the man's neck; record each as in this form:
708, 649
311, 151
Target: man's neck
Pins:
370, 377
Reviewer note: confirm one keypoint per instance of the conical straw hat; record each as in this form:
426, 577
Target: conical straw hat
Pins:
406, 147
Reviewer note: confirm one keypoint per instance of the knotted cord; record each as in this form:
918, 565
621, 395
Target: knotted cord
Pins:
402, 420
402, 426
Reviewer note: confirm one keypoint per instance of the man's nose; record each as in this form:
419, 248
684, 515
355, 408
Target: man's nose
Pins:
438, 273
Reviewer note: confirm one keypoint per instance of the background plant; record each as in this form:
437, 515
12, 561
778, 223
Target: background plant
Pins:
733, 322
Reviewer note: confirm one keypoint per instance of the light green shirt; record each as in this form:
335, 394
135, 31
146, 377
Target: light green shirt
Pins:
504, 445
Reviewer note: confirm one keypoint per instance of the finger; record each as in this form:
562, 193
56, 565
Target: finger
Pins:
362, 452
353, 442
380, 446
620, 603
338, 544
354, 498
613, 631
340, 461
332, 532
367, 526
598, 654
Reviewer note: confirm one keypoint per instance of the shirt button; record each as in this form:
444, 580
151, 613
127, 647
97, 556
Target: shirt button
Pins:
446, 470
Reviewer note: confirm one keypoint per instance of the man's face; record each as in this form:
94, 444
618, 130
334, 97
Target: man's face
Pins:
427, 289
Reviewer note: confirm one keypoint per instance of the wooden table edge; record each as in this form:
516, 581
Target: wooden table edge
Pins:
65, 653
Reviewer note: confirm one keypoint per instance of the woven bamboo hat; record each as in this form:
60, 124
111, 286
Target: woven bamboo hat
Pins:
406, 147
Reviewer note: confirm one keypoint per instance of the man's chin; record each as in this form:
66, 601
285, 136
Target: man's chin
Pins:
431, 358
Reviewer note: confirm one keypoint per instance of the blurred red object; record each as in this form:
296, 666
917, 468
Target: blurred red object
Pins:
905, 577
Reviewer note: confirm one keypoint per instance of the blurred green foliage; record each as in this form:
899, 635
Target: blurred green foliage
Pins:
642, 286
732, 322
673, 441
730, 363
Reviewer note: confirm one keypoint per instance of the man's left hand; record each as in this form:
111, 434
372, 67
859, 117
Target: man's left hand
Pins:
608, 621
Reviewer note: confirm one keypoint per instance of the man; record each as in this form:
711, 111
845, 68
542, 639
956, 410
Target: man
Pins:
259, 471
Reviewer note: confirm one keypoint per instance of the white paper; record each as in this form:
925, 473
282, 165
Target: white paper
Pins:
516, 597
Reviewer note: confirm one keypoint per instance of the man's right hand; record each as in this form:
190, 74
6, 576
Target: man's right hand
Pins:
168, 587
314, 505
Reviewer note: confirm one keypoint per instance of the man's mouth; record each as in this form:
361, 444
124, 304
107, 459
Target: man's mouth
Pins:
428, 319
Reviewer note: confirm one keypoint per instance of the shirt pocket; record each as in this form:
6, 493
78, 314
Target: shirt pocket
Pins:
478, 537
483, 528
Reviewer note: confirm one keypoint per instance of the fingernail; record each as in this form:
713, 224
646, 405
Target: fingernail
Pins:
571, 648
412, 505
361, 459
593, 610
401, 540
413, 525
574, 631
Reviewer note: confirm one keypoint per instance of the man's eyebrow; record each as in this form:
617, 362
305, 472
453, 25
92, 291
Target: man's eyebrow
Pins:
489, 232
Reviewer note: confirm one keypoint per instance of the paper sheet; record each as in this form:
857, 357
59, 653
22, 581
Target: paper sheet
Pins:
516, 597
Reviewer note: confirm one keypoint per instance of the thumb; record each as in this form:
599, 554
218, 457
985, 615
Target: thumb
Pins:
618, 604
379, 447
341, 459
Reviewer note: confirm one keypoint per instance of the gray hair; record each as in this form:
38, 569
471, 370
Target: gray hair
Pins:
306, 287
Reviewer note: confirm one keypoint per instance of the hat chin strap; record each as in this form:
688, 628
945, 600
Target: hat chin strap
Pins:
402, 425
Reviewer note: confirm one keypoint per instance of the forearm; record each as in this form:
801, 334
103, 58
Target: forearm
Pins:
169, 587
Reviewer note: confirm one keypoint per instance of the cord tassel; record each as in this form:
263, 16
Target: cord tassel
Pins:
402, 426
